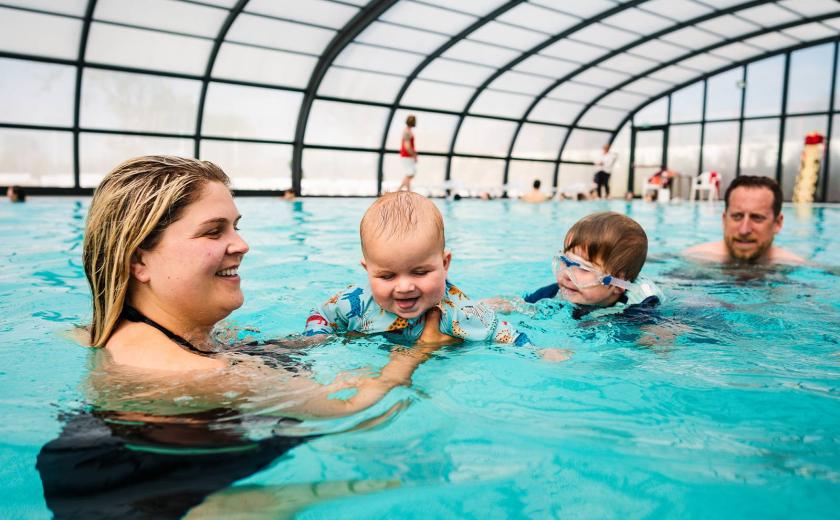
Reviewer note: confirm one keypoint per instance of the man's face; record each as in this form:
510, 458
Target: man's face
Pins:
749, 224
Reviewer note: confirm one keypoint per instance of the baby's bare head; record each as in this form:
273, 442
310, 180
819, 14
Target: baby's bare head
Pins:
399, 215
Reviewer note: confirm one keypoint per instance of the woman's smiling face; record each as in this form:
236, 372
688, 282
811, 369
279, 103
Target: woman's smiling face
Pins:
193, 270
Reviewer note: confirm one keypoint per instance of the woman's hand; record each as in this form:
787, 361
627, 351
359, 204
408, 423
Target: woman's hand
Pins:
431, 334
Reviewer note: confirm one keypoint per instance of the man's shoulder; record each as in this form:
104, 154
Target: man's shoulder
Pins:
709, 250
783, 256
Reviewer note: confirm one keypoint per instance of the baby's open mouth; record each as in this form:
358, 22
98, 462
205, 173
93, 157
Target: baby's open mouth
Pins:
405, 303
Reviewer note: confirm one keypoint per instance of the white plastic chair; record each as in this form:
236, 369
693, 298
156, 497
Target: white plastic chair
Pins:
705, 182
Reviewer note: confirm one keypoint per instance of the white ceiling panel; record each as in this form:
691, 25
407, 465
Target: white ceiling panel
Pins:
772, 41
571, 50
679, 10
477, 52
810, 31
603, 35
811, 7
499, 33
768, 15
552, 67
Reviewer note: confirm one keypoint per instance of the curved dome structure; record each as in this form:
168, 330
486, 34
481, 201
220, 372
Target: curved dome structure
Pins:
312, 94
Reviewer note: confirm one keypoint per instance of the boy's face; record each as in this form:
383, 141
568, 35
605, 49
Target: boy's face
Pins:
599, 296
407, 275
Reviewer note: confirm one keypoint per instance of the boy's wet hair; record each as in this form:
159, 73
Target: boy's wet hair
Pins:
400, 214
611, 239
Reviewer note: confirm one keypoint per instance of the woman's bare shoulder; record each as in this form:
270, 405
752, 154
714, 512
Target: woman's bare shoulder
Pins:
139, 346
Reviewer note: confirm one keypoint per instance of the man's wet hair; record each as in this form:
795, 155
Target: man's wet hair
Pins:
757, 181
537, 184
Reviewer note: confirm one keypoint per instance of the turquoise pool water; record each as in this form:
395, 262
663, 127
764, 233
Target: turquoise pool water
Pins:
734, 411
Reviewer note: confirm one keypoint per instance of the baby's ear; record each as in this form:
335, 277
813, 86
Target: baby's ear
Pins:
363, 264
447, 259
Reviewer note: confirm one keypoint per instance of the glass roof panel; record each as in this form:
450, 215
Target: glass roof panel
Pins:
433, 132
600, 34
809, 83
36, 158
433, 94
582, 9
546, 66
692, 38
833, 22
723, 94
659, 50
601, 77
23, 32
495, 32
318, 12
768, 15
655, 113
521, 83
704, 62
679, 10
571, 91
379, 33
737, 51
337, 172
161, 14
71, 7
36, 93
478, 174
567, 49
503, 104
146, 49
728, 26
721, 4
355, 84
277, 34
481, 136
628, 63
345, 124
480, 53
622, 99
222, 3
687, 103
601, 117
249, 112
538, 18
538, 141
251, 166
553, 111
647, 86
366, 57
98, 153
447, 70
421, 16
772, 41
640, 21
246, 63
674, 74
584, 145
765, 79
477, 7
811, 7
138, 102
810, 31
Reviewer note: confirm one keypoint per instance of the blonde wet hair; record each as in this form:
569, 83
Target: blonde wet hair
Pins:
133, 205
399, 214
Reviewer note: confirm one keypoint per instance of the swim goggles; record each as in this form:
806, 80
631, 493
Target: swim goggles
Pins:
583, 274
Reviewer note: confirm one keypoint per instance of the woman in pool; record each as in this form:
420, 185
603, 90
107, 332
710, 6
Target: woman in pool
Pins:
161, 254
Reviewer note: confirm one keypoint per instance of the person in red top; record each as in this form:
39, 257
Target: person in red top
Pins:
408, 153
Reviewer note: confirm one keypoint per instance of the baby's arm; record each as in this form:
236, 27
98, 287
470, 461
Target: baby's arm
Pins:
326, 319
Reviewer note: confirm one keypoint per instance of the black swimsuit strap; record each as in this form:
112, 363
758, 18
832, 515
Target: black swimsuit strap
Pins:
132, 314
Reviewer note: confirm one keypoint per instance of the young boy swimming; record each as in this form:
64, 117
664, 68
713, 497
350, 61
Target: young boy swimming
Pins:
406, 262
598, 267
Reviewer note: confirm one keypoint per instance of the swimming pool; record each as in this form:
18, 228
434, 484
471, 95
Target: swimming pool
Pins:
737, 414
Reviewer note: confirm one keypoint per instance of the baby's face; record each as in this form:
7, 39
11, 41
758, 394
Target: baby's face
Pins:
407, 275
599, 296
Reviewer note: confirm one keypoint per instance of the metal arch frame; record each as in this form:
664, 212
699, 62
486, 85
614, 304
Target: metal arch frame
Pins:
559, 36
483, 20
211, 62
615, 52
786, 51
646, 73
344, 37
77, 101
